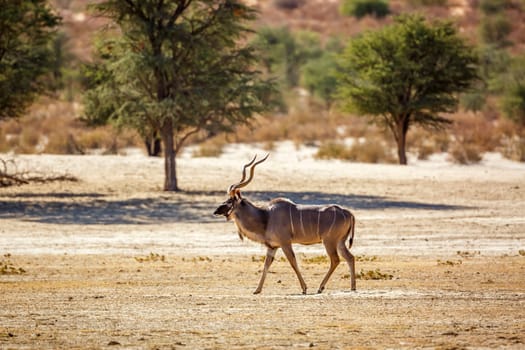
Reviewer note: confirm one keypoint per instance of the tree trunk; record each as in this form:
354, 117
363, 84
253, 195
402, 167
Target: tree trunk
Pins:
401, 151
153, 145
170, 173
401, 136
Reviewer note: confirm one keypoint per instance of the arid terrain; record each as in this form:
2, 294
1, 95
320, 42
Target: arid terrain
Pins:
111, 261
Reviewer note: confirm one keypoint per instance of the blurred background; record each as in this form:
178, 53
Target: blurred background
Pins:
300, 40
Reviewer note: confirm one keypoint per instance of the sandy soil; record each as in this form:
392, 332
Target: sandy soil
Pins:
111, 261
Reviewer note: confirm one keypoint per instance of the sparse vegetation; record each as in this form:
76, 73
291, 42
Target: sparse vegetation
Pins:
152, 257
449, 263
406, 56
428, 2
8, 268
10, 175
366, 258
361, 8
212, 147
288, 4
373, 275
301, 60
464, 153
319, 259
367, 151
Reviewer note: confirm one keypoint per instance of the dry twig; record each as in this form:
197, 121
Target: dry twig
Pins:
11, 176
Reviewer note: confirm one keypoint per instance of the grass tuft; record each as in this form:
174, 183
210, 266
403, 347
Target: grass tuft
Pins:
373, 275
152, 257
8, 268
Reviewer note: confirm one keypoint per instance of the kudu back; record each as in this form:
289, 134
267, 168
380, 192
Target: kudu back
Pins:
283, 222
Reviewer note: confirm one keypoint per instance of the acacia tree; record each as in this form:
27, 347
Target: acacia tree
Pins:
405, 74
178, 68
26, 31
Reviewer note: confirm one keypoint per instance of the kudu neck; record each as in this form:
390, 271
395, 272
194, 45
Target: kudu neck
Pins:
250, 218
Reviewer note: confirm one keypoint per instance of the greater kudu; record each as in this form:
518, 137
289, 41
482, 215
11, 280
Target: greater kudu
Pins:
283, 222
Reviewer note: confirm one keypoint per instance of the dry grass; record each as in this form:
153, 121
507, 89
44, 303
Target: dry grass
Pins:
369, 150
52, 126
373, 275
212, 147
8, 268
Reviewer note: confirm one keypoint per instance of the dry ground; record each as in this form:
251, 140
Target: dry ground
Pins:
113, 262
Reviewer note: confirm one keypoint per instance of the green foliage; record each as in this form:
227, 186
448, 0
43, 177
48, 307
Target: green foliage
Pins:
361, 8
513, 99
428, 2
287, 4
493, 62
494, 29
177, 68
319, 77
26, 32
407, 73
491, 7
283, 53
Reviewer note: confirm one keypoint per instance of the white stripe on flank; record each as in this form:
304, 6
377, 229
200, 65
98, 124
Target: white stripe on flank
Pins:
318, 222
333, 221
344, 215
301, 219
291, 220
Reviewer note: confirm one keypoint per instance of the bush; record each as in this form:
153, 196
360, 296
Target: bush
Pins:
368, 151
491, 7
495, 29
287, 4
361, 8
210, 148
333, 150
62, 143
428, 2
465, 153
513, 148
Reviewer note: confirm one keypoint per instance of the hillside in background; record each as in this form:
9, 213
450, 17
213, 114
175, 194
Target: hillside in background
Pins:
52, 124
320, 16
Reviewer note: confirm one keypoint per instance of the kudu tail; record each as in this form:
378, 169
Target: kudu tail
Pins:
351, 231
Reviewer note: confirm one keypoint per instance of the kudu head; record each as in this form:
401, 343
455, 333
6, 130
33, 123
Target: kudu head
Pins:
227, 208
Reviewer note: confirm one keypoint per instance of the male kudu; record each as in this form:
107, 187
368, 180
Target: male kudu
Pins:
283, 222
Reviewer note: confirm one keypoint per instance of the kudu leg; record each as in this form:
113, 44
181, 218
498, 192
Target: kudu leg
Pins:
334, 261
343, 250
270, 256
290, 255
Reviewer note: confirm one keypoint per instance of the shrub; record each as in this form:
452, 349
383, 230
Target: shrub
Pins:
210, 148
368, 151
371, 151
373, 275
491, 7
287, 4
513, 148
428, 2
333, 150
361, 8
62, 143
465, 153
495, 29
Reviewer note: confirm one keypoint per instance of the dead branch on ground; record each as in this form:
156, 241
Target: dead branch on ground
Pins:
10, 175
